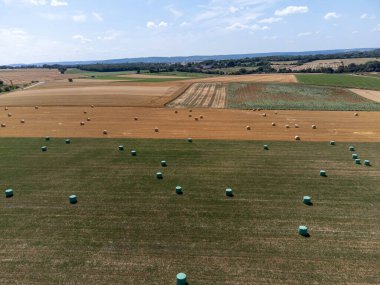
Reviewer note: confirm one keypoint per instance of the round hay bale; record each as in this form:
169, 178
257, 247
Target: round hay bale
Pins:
88, 119
297, 138
156, 130
351, 148
332, 142
67, 141
196, 119
6, 108
164, 163
296, 126
303, 231
82, 123
9, 193
356, 114
9, 114
275, 112
133, 152
313, 127
190, 116
201, 117
190, 110
121, 147
136, 119
178, 190
358, 161
47, 138
307, 200
92, 106
287, 126
266, 147
259, 109
323, 173
355, 156
36, 107
273, 124
3, 125
22, 121
181, 279
264, 115
105, 132
190, 140
229, 192
175, 112
367, 162
248, 128
159, 175
84, 112
73, 199
43, 148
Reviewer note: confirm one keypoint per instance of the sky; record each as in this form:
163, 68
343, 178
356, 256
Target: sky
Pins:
34, 31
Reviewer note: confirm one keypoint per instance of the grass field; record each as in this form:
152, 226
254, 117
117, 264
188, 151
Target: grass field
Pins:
130, 228
118, 75
340, 80
295, 97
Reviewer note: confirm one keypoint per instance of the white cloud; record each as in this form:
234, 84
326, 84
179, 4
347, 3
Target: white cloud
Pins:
80, 17
332, 15
233, 9
13, 33
185, 24
376, 29
305, 34
81, 38
291, 10
176, 13
98, 17
269, 20
58, 3
239, 27
153, 25
36, 2
110, 35
366, 16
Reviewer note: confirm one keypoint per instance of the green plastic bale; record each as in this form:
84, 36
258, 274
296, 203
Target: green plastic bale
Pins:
133, 152
190, 140
332, 142
73, 199
229, 192
121, 147
9, 193
43, 148
266, 147
355, 156
307, 200
303, 230
351, 148
47, 138
164, 163
67, 141
358, 161
181, 279
323, 173
159, 175
367, 162
178, 190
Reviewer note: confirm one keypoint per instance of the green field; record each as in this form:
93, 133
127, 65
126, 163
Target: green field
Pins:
340, 80
130, 228
117, 75
295, 97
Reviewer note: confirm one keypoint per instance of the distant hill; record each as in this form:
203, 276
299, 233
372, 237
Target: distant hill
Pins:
198, 58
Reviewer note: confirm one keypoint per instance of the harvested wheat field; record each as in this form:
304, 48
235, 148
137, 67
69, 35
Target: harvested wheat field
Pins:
202, 95
129, 122
21, 76
369, 94
98, 92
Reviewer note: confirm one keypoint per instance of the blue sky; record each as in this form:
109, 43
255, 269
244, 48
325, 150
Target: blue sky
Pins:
60, 30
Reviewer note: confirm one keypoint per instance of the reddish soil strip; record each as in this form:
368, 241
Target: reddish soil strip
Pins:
217, 124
